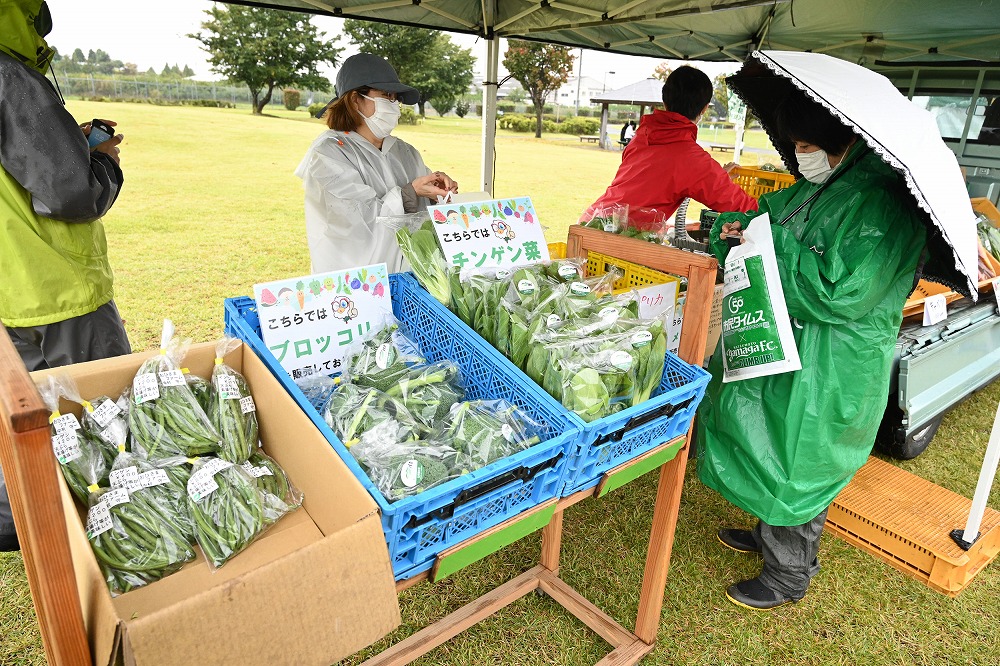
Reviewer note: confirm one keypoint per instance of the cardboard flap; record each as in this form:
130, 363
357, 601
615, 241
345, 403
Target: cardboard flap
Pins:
331, 599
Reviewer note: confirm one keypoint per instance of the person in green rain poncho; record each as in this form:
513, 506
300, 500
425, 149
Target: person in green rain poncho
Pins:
782, 447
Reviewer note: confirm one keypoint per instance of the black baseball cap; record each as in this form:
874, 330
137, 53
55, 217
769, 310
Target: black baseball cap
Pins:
371, 71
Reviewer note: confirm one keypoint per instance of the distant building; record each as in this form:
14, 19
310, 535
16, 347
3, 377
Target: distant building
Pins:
589, 87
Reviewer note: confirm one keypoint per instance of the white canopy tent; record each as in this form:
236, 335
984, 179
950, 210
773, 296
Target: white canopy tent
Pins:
862, 31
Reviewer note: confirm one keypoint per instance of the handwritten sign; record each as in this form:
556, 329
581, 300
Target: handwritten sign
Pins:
935, 309
310, 322
657, 299
499, 233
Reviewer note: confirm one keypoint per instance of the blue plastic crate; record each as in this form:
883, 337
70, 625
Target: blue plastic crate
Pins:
608, 442
418, 528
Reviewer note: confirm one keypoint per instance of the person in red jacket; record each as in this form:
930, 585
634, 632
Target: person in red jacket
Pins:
663, 164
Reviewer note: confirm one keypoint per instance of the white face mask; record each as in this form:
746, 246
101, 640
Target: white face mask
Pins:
385, 117
815, 166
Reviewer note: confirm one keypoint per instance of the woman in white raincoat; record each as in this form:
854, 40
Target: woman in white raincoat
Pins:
356, 172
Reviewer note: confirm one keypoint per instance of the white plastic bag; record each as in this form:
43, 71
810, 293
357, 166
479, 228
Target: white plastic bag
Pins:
756, 332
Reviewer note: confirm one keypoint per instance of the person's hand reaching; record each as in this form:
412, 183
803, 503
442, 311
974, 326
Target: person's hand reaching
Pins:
434, 185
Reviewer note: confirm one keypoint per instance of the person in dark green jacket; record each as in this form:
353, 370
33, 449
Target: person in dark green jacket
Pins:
56, 291
848, 240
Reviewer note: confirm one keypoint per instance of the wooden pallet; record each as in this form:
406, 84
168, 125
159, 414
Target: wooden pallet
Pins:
907, 521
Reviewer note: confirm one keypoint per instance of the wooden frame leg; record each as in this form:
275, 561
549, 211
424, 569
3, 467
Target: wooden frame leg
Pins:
661, 542
552, 542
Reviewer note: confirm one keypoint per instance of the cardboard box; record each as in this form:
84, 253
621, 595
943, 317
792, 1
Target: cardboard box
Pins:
316, 587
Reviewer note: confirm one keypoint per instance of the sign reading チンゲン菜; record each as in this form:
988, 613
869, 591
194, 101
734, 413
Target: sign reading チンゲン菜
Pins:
499, 233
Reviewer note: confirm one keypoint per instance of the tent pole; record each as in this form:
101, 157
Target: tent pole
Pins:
604, 127
986, 476
490, 113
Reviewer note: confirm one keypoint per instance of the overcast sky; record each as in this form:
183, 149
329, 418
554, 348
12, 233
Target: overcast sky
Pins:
151, 33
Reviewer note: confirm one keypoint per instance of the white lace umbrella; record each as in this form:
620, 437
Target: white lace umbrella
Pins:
901, 133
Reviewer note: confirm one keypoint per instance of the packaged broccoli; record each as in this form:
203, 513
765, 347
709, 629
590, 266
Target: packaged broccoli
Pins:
428, 391
354, 410
227, 508
383, 359
79, 453
400, 469
280, 496
162, 481
483, 431
165, 418
232, 412
134, 540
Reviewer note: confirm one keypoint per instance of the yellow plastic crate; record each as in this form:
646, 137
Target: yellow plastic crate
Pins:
756, 182
636, 276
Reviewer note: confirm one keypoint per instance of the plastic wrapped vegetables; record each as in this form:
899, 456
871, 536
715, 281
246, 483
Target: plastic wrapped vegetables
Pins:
79, 453
421, 249
165, 418
354, 410
134, 540
232, 412
280, 496
594, 378
227, 508
162, 481
402, 468
482, 431
107, 426
428, 391
383, 359
201, 387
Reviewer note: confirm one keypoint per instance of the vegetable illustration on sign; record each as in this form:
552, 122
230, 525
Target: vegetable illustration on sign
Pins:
267, 299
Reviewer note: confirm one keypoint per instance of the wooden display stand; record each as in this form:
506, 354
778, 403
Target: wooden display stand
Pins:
33, 485
629, 647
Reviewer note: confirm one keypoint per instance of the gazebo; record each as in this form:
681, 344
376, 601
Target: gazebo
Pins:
648, 92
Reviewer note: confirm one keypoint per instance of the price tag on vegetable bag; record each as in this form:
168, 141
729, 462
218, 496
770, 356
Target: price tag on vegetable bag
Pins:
124, 477
172, 378
256, 472
98, 520
145, 388
202, 482
105, 413
247, 406
66, 423
310, 323
66, 447
227, 387
498, 233
154, 477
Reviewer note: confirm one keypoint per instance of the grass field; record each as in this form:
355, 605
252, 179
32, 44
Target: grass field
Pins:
210, 206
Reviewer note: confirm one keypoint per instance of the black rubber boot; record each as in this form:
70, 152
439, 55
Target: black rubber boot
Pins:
754, 595
741, 541
9, 543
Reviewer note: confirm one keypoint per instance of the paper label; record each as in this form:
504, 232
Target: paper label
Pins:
525, 287
621, 360
152, 478
567, 271
227, 387
508, 432
411, 473
66, 447
124, 478
579, 289
609, 314
385, 355
145, 388
172, 378
935, 309
202, 483
113, 498
736, 276
503, 274
66, 423
115, 435
247, 406
641, 338
553, 320
256, 472
98, 520
656, 299
105, 413
610, 227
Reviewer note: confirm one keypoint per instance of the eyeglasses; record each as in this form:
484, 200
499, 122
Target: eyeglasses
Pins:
391, 96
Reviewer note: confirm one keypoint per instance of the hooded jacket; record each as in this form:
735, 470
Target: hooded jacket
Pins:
663, 165
53, 189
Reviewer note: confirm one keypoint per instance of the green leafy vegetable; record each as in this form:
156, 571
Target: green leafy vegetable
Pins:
421, 249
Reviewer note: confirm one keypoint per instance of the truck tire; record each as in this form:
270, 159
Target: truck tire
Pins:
893, 441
